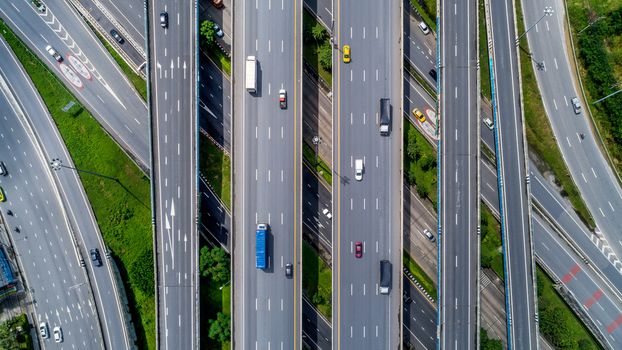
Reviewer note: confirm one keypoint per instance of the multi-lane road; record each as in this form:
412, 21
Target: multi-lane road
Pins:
267, 175
459, 174
172, 68
513, 182
367, 210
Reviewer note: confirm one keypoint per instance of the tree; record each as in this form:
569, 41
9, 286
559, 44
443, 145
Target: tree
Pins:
141, 272
318, 32
413, 148
220, 328
8, 336
326, 56
208, 33
214, 263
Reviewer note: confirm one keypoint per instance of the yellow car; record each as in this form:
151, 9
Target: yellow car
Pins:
417, 113
346, 53
2, 198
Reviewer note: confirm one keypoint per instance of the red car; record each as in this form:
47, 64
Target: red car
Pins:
358, 249
283, 99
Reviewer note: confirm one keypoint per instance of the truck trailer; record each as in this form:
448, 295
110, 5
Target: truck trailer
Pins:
260, 246
385, 276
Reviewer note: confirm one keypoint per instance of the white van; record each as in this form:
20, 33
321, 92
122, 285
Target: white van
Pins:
358, 169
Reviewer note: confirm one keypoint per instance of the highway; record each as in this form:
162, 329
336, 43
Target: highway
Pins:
586, 162
367, 210
100, 84
513, 182
458, 230
172, 67
48, 257
267, 175
78, 212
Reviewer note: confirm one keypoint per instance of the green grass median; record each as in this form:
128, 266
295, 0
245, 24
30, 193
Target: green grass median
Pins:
426, 282
320, 166
122, 208
316, 280
215, 165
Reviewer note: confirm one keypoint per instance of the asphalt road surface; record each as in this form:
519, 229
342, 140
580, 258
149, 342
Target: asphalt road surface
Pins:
459, 193
87, 71
513, 182
267, 175
174, 135
39, 229
369, 210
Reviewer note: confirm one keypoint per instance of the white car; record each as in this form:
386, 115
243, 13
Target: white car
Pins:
428, 235
358, 169
52, 51
58, 334
424, 28
219, 32
489, 123
327, 213
43, 330
576, 105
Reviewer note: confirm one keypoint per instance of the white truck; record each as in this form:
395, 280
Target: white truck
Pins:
251, 74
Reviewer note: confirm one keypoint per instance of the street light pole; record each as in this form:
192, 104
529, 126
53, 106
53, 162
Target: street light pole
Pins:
548, 11
56, 164
606, 97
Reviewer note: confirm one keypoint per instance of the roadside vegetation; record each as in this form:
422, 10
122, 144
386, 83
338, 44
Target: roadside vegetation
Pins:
489, 343
483, 54
317, 163
137, 81
215, 267
558, 324
420, 163
316, 280
15, 334
215, 166
597, 34
491, 250
209, 46
427, 10
540, 138
426, 282
122, 207
317, 50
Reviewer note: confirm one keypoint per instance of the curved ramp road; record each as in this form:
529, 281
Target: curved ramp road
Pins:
58, 286
107, 93
77, 208
267, 175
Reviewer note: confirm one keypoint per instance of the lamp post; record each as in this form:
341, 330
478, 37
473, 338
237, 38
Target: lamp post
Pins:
548, 11
56, 164
223, 286
316, 141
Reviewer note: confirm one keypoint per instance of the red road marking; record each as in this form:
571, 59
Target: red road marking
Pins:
614, 324
573, 271
593, 299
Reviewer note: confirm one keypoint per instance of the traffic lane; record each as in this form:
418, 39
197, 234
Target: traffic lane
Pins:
215, 102
323, 10
419, 318
317, 332
45, 251
129, 14
518, 248
575, 275
72, 193
102, 90
215, 219
588, 166
316, 198
419, 48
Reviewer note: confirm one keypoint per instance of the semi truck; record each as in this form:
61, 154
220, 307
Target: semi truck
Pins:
385, 276
251, 74
260, 246
385, 116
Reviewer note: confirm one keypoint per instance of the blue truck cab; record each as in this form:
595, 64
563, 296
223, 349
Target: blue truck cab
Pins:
260, 246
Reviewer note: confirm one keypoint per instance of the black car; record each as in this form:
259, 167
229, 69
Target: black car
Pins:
289, 270
97, 260
432, 73
164, 19
3, 169
407, 298
117, 36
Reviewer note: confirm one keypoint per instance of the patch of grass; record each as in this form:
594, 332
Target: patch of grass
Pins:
425, 281
213, 301
491, 251
483, 54
311, 49
221, 60
15, 334
215, 165
320, 167
122, 208
316, 280
488, 343
139, 83
540, 134
427, 11
420, 162
558, 324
